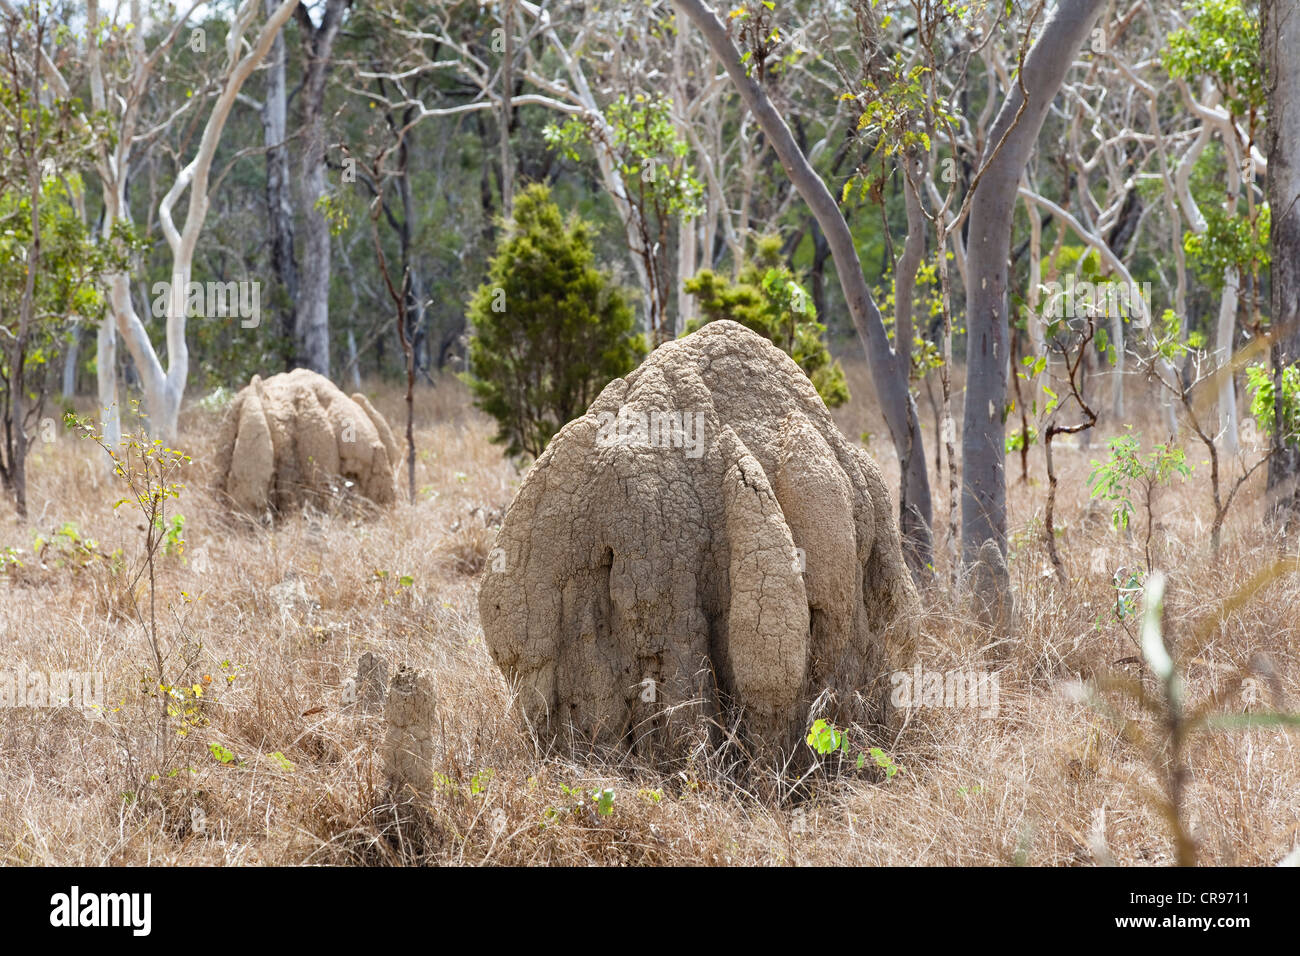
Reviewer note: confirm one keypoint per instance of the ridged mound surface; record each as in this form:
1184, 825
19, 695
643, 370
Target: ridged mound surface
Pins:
295, 436
650, 576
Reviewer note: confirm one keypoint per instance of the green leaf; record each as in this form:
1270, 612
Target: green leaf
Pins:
282, 760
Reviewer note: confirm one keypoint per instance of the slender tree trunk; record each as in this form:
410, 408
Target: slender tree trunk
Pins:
28, 149
1037, 324
106, 382
915, 516
889, 368
686, 259
71, 356
354, 362
1281, 41
817, 273
416, 320
311, 337
279, 201
687, 253
910, 260
1226, 327
507, 81
400, 297
984, 489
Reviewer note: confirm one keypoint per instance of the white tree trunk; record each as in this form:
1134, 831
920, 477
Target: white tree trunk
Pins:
110, 426
1037, 322
1223, 335
1226, 325
70, 358
312, 332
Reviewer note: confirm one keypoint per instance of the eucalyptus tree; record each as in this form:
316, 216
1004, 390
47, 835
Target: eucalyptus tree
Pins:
121, 67
1012, 139
49, 265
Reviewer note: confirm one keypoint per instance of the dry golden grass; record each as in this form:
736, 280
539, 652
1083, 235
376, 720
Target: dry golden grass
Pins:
1047, 781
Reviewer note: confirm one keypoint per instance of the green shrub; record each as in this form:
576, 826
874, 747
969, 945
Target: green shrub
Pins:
1263, 402
549, 329
766, 298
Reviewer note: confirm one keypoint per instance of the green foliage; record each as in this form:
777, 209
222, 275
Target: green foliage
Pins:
766, 298
1086, 265
67, 548
640, 133
1015, 440
896, 111
71, 260
64, 289
884, 761
1230, 241
170, 533
221, 754
586, 803
1034, 366
549, 329
478, 783
759, 38
826, 739
895, 98
281, 761
604, 801
1221, 41
927, 303
1263, 404
1167, 340
652, 156
1127, 471
1128, 589
335, 212
48, 261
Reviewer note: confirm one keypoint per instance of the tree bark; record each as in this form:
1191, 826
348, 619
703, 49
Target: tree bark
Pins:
1281, 41
507, 79
687, 254
279, 201
30, 146
70, 359
984, 489
311, 335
